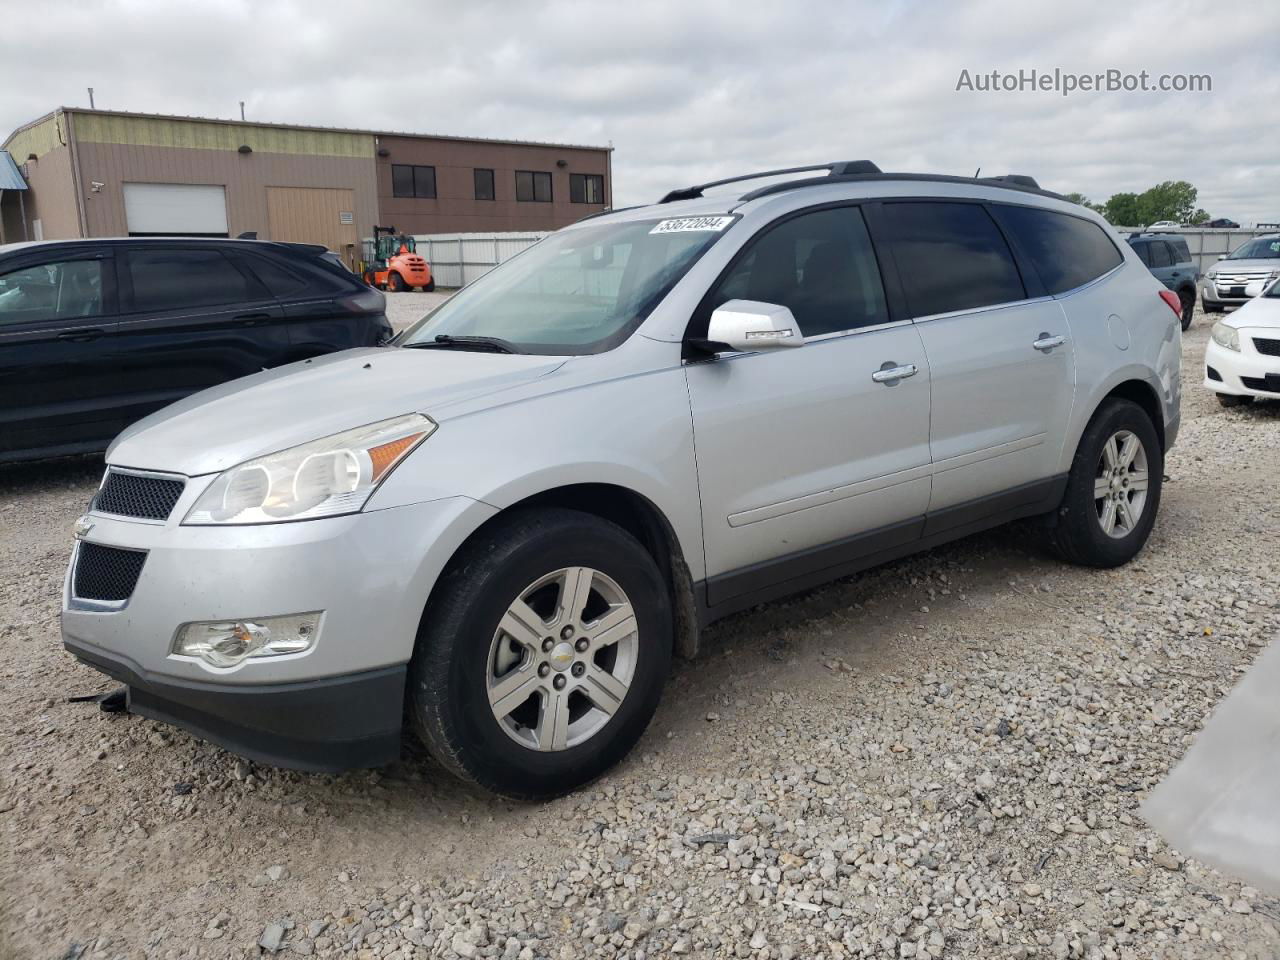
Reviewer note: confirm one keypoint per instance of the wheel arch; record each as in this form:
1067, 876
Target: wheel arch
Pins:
636, 514
1141, 393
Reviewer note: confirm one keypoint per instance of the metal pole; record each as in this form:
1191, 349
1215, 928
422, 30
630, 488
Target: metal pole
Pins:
91, 107
22, 208
241, 111
462, 267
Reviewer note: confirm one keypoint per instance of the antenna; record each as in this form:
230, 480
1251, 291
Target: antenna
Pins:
242, 111
976, 172
91, 98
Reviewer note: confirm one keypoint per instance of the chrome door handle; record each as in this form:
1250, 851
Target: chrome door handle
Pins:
1047, 343
892, 372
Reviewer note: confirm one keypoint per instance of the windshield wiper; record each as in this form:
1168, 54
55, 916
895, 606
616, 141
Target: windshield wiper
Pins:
447, 341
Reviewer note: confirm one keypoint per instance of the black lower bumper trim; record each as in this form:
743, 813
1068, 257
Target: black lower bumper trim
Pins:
324, 726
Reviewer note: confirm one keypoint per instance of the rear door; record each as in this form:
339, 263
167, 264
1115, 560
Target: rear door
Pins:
1000, 358
191, 318
59, 385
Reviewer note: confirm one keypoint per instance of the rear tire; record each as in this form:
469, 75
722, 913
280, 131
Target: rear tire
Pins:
1113, 489
517, 689
395, 283
1188, 300
1230, 400
431, 285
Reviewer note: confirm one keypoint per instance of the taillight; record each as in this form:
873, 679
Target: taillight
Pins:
1171, 298
366, 301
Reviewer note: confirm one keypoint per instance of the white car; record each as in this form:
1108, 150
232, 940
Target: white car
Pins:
1242, 360
1162, 225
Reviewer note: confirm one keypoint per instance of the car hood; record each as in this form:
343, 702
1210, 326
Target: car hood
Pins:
276, 409
1245, 266
1260, 313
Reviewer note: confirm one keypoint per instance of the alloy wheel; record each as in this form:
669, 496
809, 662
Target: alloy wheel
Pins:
1120, 484
562, 659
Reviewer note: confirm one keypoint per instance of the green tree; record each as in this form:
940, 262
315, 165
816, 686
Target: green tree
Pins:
1172, 200
1122, 210
1079, 198
1200, 216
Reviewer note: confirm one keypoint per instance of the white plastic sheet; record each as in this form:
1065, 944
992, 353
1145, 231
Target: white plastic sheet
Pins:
1221, 803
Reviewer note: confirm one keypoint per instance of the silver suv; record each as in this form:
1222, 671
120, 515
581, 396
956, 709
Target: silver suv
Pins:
500, 529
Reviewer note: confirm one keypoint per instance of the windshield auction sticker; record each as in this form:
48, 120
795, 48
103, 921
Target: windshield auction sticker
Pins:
689, 224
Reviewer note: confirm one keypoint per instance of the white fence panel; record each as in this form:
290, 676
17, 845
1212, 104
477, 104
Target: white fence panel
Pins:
457, 259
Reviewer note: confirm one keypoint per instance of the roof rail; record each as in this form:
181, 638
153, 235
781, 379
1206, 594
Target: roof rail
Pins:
840, 168
1008, 182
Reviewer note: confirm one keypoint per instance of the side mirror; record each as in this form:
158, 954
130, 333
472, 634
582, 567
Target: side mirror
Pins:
750, 325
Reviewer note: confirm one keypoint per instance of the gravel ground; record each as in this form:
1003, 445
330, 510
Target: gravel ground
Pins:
939, 758
406, 308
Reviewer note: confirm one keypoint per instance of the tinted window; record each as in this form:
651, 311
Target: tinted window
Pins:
401, 181
1160, 254
413, 181
533, 186
819, 264
1180, 251
1066, 251
484, 184
1143, 250
951, 256
175, 279
280, 281
51, 291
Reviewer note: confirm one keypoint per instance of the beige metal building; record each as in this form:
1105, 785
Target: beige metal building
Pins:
98, 173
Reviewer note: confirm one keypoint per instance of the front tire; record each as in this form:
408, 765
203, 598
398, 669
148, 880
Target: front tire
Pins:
395, 283
431, 285
542, 655
1208, 307
1113, 489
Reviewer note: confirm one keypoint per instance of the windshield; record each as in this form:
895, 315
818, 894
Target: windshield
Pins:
1261, 248
577, 291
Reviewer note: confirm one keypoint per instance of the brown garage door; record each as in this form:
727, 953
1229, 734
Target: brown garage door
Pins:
314, 215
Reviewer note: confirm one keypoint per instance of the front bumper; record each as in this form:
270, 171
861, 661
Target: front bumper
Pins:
1244, 372
334, 706
325, 726
1230, 295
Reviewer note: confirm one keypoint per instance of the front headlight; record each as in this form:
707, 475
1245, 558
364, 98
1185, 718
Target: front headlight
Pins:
1224, 336
323, 478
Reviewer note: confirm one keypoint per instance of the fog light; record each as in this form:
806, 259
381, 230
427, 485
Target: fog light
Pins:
225, 643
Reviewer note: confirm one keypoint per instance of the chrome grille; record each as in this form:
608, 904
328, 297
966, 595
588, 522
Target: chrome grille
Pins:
138, 495
106, 573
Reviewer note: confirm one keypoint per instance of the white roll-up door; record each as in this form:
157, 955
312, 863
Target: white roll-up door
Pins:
175, 208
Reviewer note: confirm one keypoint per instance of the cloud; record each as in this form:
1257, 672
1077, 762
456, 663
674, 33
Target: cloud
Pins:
690, 91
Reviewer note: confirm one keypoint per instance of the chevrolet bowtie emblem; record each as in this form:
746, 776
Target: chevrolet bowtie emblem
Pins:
82, 527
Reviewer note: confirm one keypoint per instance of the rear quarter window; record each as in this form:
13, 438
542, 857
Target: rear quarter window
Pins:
1066, 251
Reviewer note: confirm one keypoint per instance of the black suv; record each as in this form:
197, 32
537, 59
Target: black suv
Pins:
95, 334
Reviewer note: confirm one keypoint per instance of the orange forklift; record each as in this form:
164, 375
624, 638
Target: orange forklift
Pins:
391, 263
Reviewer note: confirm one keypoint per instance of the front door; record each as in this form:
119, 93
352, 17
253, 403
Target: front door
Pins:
804, 460
59, 385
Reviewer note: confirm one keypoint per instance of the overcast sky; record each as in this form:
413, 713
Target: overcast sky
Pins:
689, 90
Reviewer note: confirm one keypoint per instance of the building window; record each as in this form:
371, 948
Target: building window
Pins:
532, 185
484, 184
586, 188
409, 181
